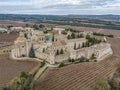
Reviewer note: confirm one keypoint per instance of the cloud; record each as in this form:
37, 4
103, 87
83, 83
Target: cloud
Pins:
60, 6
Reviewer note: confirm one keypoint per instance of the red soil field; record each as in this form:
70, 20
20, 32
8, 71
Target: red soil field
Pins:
11, 68
80, 76
4, 37
77, 77
14, 23
115, 43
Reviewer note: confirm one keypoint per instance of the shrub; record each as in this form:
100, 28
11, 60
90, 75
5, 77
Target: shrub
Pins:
42, 63
64, 32
69, 60
20, 83
95, 60
82, 59
87, 60
73, 60
115, 83
101, 84
57, 53
61, 64
61, 51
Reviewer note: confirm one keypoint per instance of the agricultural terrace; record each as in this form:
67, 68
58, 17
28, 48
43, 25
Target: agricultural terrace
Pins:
80, 76
77, 76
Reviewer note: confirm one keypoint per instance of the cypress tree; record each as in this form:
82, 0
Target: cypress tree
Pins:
78, 36
81, 35
73, 36
53, 38
68, 37
57, 53
61, 52
83, 45
75, 46
43, 50
32, 52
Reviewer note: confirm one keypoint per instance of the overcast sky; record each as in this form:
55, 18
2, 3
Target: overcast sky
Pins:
60, 7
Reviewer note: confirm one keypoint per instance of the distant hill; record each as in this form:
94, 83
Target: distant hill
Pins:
99, 21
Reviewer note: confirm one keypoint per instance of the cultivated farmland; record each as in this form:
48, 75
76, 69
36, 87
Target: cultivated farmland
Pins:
11, 68
115, 42
80, 76
4, 37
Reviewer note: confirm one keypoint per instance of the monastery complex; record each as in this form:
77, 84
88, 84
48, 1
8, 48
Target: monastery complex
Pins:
59, 45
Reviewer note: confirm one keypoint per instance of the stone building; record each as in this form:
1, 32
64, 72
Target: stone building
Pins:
21, 47
35, 41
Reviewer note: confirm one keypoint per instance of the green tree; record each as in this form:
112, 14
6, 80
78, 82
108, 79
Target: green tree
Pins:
23, 75
43, 50
83, 45
32, 52
35, 27
87, 44
73, 60
9, 26
21, 83
64, 32
101, 84
42, 63
69, 60
27, 25
93, 56
81, 36
5, 88
57, 53
45, 31
115, 83
53, 39
61, 51
73, 36
75, 46
78, 36
82, 59
68, 37
87, 36
61, 64
41, 26
25, 35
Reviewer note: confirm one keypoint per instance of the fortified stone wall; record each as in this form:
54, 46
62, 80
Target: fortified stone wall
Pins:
62, 57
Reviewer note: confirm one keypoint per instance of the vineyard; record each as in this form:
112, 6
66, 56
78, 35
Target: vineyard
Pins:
11, 68
80, 76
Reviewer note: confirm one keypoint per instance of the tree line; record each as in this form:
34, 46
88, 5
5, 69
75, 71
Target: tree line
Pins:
101, 34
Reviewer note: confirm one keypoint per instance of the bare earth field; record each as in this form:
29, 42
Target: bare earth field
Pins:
116, 33
115, 42
12, 68
14, 23
80, 76
4, 37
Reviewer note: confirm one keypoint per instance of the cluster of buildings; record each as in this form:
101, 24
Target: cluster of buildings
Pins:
55, 47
